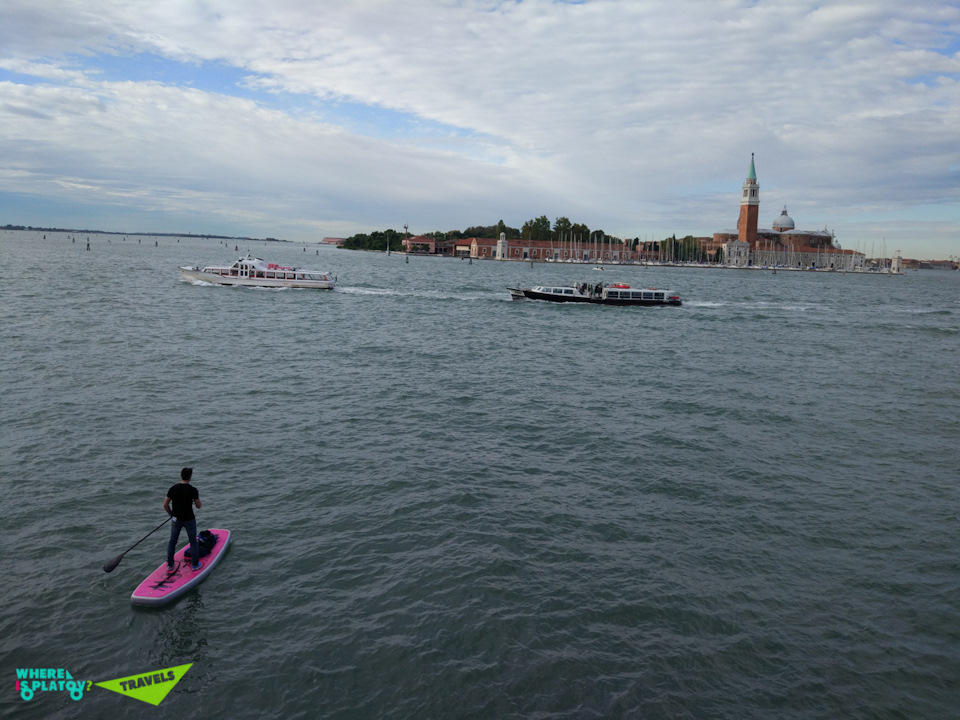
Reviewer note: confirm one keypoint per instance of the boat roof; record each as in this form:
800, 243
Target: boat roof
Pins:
261, 264
610, 285
258, 262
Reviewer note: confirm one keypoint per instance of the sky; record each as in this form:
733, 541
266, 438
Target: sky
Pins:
300, 119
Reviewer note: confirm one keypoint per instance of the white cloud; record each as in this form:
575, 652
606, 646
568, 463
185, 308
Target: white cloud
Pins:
635, 117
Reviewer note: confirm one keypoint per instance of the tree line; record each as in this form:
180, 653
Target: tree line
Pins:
392, 239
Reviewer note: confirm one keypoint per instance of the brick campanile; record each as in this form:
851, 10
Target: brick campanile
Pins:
749, 207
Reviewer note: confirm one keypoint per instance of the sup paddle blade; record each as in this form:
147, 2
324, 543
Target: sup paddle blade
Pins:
109, 566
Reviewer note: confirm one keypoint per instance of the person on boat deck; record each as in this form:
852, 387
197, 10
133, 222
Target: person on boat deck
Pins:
179, 504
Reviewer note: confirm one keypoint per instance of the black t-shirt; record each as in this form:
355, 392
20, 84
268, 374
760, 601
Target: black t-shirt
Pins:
182, 496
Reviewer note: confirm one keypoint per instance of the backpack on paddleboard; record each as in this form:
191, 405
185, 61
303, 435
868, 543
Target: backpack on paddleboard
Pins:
205, 542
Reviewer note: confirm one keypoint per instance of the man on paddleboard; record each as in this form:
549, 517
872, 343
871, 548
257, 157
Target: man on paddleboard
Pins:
183, 496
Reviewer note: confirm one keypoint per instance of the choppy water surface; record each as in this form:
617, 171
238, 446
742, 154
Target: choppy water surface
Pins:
446, 504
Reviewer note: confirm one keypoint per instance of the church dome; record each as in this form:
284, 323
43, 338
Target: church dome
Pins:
784, 222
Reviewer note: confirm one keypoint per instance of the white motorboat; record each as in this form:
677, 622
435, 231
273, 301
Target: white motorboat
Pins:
254, 272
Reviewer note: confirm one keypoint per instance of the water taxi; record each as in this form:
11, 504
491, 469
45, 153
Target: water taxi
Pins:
254, 272
599, 294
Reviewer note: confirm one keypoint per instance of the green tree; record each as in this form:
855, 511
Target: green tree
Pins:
538, 229
668, 249
490, 231
691, 250
688, 249
378, 240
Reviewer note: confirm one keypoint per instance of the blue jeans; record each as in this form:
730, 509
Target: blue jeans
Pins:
191, 527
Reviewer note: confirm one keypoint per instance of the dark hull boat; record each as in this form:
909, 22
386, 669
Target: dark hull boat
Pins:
614, 294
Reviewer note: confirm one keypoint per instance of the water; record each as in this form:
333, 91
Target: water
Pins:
446, 504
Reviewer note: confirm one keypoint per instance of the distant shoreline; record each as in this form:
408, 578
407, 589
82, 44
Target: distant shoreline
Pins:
908, 263
30, 228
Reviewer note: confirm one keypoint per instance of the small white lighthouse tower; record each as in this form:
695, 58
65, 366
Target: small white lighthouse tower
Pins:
502, 248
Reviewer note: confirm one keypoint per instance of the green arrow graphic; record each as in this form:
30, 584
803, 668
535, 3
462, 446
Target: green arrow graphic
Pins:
150, 687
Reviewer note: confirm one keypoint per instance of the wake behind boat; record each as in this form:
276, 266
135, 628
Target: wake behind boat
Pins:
599, 294
254, 272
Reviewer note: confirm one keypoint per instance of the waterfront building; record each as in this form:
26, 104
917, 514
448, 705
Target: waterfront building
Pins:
420, 244
782, 244
567, 250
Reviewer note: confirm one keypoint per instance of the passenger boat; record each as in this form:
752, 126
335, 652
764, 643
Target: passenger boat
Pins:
254, 272
599, 294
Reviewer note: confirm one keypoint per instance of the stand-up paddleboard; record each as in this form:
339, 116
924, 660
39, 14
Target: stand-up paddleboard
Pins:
164, 585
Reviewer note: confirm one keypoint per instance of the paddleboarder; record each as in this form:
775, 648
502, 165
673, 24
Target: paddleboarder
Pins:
179, 504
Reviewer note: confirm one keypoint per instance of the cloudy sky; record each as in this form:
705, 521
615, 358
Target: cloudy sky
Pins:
309, 118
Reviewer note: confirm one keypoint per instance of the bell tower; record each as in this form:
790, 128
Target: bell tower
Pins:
749, 207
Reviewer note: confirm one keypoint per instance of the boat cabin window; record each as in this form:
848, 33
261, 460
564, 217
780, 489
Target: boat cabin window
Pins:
658, 296
648, 296
568, 291
269, 275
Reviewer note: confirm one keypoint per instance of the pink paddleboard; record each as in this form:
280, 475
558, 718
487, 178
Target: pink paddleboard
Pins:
163, 585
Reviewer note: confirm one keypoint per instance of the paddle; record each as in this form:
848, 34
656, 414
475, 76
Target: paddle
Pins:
108, 567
